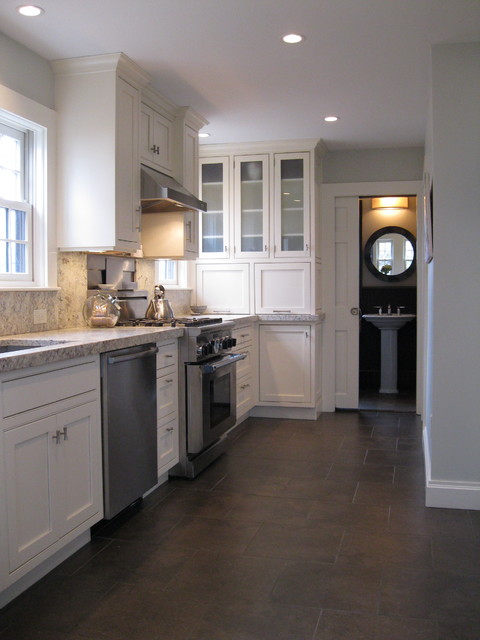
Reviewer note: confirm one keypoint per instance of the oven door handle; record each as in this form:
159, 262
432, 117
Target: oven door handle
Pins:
224, 362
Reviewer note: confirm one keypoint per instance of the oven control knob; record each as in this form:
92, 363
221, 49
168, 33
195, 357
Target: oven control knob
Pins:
234, 342
215, 345
205, 350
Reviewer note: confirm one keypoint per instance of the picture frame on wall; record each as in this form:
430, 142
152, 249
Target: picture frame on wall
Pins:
427, 216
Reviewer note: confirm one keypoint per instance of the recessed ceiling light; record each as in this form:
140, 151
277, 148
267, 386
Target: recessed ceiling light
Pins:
203, 134
293, 38
30, 10
331, 118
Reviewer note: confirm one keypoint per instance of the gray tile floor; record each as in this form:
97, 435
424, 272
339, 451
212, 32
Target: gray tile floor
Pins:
303, 531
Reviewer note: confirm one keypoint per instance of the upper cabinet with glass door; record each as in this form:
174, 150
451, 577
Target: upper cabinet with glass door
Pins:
251, 206
292, 205
214, 236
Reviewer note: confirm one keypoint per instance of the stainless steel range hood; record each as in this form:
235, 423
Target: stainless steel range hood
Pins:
163, 194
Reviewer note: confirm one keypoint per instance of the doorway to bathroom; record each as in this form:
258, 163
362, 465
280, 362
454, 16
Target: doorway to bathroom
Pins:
387, 286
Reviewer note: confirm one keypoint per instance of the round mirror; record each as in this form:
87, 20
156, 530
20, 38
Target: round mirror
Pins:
390, 254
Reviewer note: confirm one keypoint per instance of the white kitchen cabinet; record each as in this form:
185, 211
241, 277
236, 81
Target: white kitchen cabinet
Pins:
285, 354
51, 463
291, 205
282, 288
246, 370
224, 288
156, 139
167, 407
51, 472
98, 114
251, 205
214, 223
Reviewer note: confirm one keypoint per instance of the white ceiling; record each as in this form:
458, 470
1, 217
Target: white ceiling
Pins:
366, 61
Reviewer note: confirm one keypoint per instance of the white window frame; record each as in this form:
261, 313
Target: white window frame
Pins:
19, 112
180, 279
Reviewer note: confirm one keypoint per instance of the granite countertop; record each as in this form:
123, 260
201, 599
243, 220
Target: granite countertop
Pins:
64, 344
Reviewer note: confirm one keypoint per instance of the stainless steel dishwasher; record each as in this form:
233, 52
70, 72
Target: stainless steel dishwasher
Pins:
129, 425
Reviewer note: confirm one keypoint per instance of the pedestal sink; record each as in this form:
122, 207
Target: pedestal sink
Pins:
388, 325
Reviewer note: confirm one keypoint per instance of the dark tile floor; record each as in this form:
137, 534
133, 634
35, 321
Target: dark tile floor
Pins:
303, 531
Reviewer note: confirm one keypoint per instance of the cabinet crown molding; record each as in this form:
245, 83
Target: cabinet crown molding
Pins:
269, 146
118, 62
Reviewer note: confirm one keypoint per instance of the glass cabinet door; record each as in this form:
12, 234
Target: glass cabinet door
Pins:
292, 205
251, 205
214, 221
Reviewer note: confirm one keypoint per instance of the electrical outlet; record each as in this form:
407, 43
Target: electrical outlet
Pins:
39, 316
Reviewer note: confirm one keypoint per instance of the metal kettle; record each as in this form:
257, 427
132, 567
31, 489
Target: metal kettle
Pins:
159, 308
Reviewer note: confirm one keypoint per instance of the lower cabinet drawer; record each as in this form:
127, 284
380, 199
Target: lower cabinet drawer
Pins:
245, 399
24, 392
167, 394
167, 445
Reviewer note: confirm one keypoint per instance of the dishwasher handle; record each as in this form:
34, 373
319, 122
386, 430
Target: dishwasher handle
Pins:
133, 356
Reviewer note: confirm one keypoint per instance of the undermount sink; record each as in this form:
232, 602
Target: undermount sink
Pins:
11, 346
386, 321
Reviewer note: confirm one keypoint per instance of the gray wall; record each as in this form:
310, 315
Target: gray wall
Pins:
373, 165
453, 158
24, 72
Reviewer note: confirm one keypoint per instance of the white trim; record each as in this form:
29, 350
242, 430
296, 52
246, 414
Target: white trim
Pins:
42, 121
448, 494
329, 192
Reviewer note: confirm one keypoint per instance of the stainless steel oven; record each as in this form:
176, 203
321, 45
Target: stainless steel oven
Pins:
211, 401
207, 393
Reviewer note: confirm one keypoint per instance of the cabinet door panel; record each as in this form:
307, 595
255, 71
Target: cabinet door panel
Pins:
251, 206
282, 288
214, 180
285, 375
127, 203
79, 476
31, 460
223, 288
292, 205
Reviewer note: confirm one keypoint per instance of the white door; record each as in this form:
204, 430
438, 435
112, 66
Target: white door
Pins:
346, 302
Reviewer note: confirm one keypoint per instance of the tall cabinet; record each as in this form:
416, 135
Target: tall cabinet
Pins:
97, 99
262, 220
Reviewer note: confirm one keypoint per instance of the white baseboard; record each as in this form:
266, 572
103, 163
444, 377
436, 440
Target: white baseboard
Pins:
448, 494
290, 413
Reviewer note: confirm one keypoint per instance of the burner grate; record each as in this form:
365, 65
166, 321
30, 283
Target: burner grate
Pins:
181, 322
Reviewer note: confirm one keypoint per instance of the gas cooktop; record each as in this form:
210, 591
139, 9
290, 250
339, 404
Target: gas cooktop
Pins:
175, 322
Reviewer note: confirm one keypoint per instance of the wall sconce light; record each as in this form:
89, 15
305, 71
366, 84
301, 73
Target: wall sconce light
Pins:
396, 202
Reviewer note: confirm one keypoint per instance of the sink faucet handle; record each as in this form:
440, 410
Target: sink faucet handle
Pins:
380, 309
399, 310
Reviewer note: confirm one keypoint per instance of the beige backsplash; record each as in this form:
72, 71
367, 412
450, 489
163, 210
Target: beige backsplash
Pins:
64, 307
